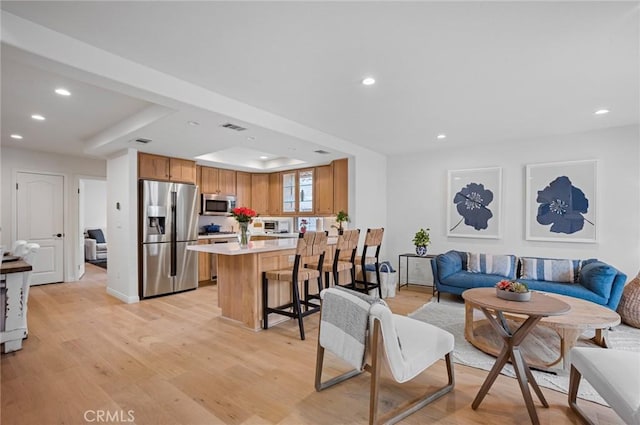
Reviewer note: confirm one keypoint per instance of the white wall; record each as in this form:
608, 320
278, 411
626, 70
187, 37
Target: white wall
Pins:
122, 226
417, 194
71, 167
95, 204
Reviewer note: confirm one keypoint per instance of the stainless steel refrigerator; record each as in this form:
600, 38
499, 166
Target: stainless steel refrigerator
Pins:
169, 223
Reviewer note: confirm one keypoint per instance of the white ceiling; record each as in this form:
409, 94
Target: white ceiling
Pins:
480, 72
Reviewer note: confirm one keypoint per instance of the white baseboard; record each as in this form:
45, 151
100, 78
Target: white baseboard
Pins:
122, 297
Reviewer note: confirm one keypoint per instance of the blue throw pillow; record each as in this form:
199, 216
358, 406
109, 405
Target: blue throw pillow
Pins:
598, 277
448, 264
97, 235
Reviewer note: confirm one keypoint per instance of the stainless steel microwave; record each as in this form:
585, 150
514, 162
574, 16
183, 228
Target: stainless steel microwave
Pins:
213, 204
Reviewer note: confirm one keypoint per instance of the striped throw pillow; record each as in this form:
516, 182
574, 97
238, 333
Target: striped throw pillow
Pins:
552, 270
502, 265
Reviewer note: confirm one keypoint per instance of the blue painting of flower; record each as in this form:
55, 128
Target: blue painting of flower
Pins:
471, 202
562, 206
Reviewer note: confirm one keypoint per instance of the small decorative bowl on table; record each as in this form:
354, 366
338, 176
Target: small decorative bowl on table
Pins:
513, 290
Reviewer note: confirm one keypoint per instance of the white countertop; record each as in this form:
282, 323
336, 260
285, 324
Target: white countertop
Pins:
233, 248
218, 236
276, 235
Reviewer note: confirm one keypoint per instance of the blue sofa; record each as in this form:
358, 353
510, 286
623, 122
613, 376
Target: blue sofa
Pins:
596, 281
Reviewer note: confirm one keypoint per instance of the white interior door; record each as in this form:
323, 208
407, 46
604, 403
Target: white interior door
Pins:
39, 212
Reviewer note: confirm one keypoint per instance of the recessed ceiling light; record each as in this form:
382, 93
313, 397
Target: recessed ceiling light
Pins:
368, 81
193, 123
63, 92
601, 112
38, 117
264, 157
16, 136
441, 136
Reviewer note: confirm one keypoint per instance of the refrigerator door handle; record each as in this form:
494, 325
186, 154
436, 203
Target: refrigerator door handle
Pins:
173, 233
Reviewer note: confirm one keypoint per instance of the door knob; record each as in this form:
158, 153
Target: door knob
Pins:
58, 235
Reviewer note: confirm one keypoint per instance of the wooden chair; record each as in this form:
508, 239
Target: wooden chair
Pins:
343, 258
310, 244
408, 347
373, 240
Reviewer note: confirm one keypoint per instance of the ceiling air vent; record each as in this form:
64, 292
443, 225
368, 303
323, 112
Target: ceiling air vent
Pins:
320, 151
141, 140
233, 127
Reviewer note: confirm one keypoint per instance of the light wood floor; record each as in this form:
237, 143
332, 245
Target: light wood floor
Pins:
173, 360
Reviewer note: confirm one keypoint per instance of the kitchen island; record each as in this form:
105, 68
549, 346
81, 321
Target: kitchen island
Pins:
240, 276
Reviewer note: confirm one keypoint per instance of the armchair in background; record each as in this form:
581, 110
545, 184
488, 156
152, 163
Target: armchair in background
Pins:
95, 245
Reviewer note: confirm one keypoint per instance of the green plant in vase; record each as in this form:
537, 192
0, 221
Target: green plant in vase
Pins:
421, 240
341, 217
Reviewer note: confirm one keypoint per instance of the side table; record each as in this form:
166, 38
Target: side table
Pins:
424, 262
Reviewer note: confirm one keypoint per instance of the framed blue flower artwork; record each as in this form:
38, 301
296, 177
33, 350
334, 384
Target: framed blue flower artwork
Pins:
474, 203
561, 201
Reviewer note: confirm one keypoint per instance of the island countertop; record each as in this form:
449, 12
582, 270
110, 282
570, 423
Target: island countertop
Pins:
233, 248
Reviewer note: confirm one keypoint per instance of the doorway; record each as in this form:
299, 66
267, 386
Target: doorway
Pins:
40, 218
92, 214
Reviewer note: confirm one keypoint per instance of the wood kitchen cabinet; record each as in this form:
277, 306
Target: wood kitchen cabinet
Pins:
298, 194
182, 170
324, 189
218, 180
204, 263
243, 189
260, 193
158, 167
340, 185
275, 194
153, 167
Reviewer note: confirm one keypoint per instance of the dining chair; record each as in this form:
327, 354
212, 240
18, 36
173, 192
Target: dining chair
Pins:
311, 246
372, 241
343, 259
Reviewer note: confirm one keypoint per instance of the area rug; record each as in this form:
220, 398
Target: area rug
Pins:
99, 263
449, 315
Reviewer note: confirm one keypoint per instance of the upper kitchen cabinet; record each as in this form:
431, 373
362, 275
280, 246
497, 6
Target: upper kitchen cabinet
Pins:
275, 194
298, 191
340, 185
324, 190
182, 170
218, 180
158, 167
153, 167
260, 193
243, 189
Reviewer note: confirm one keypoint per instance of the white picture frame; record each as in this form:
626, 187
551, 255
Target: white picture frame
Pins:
561, 201
474, 203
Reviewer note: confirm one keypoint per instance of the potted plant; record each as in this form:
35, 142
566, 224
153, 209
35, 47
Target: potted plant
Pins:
341, 218
513, 290
421, 240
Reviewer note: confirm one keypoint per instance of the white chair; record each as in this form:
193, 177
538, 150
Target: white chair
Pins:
94, 250
614, 374
408, 347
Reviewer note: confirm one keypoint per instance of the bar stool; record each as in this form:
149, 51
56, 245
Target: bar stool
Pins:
310, 244
373, 239
343, 258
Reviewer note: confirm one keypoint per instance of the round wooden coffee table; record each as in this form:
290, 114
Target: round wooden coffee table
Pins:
494, 309
551, 341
